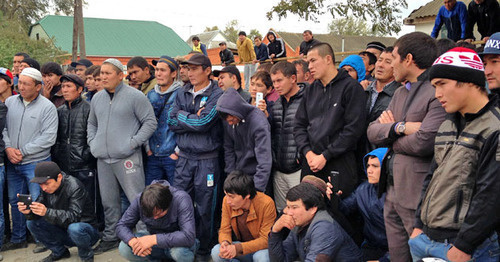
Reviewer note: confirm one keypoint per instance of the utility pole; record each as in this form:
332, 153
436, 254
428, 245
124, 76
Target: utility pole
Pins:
78, 32
74, 50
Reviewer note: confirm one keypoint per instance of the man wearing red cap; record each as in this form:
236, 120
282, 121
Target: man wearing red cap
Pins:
458, 211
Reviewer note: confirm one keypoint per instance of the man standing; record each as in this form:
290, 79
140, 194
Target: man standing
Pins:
121, 120
285, 155
29, 134
230, 77
246, 214
71, 151
197, 124
458, 211
485, 13
161, 146
336, 98
247, 138
408, 127
453, 14
491, 59
168, 215
61, 216
198, 46
138, 70
51, 76
80, 67
246, 53
226, 56
308, 42
261, 51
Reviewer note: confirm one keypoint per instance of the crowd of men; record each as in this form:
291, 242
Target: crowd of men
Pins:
393, 155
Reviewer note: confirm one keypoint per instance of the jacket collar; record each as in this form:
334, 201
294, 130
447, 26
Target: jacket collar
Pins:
34, 100
387, 88
207, 92
75, 102
252, 215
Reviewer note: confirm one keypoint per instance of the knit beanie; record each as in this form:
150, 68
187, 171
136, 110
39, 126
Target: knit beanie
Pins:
460, 64
316, 182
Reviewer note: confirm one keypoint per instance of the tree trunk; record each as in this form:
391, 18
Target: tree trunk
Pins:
81, 32
74, 51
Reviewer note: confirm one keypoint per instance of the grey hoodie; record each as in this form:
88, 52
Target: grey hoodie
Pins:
118, 127
247, 145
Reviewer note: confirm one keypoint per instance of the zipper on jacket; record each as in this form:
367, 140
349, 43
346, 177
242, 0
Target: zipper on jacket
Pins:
19, 133
107, 125
460, 198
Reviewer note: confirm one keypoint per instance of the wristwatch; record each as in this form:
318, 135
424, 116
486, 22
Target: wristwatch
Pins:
401, 128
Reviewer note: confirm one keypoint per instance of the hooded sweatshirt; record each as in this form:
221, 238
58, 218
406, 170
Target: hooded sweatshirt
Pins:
365, 199
247, 145
356, 62
276, 47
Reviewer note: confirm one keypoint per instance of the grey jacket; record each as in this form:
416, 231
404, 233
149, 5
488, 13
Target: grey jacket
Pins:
118, 126
31, 129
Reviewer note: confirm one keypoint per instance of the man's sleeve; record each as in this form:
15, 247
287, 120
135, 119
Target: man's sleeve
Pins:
302, 47
321, 243
230, 59
128, 221
354, 123
484, 212
260, 242
144, 112
73, 213
191, 122
494, 22
300, 127
229, 155
378, 133
421, 143
462, 12
185, 236
225, 231
48, 134
471, 21
3, 124
263, 154
437, 24
265, 56
203, 48
282, 45
91, 125
250, 49
282, 248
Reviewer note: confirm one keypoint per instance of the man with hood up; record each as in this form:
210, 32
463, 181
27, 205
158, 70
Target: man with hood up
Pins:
247, 138
355, 66
276, 46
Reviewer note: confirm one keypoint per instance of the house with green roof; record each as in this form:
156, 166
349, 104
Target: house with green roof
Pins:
105, 38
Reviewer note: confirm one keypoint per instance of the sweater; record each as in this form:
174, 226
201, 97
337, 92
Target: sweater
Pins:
32, 129
119, 125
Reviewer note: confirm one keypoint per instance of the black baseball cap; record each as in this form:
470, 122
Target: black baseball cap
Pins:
73, 78
229, 69
84, 62
198, 59
45, 171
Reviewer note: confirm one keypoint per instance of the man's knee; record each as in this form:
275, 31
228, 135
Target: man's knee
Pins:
215, 253
126, 251
181, 254
261, 256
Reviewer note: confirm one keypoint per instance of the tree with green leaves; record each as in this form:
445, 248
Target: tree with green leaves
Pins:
253, 33
383, 15
213, 28
231, 31
30, 11
351, 26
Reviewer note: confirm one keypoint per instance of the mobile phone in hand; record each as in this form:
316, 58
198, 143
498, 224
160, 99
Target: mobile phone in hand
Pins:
259, 96
334, 180
25, 199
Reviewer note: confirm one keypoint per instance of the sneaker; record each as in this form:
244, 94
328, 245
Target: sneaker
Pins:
39, 248
106, 246
53, 257
12, 246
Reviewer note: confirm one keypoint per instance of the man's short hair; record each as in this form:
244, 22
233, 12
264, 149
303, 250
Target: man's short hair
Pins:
91, 69
195, 38
286, 68
155, 196
258, 37
303, 63
97, 71
266, 67
323, 49
445, 44
372, 59
308, 31
388, 49
240, 183
22, 54
265, 77
420, 45
138, 61
51, 67
242, 33
310, 195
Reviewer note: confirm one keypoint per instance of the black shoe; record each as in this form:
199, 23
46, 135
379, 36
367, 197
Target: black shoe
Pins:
105, 246
12, 246
87, 259
39, 248
53, 257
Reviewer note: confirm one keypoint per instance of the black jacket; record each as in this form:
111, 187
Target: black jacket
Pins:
285, 153
226, 56
71, 151
305, 46
486, 15
276, 47
67, 205
3, 116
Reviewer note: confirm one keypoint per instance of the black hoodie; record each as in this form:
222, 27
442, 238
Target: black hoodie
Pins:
276, 47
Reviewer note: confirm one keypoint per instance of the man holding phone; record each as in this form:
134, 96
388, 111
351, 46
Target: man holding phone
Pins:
59, 218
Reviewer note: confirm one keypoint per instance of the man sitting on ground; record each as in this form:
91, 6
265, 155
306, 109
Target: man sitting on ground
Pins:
246, 214
60, 218
169, 217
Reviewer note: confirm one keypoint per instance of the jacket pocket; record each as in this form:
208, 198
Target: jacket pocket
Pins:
460, 197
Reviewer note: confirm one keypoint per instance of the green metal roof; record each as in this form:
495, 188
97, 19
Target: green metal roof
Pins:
111, 37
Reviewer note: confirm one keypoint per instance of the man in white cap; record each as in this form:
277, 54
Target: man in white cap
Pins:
30, 132
121, 120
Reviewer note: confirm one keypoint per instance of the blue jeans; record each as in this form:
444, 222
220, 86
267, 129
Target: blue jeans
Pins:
160, 167
179, 254
2, 219
55, 238
422, 246
258, 256
18, 181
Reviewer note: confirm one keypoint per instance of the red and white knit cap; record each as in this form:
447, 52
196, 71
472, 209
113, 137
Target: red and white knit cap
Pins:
460, 64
